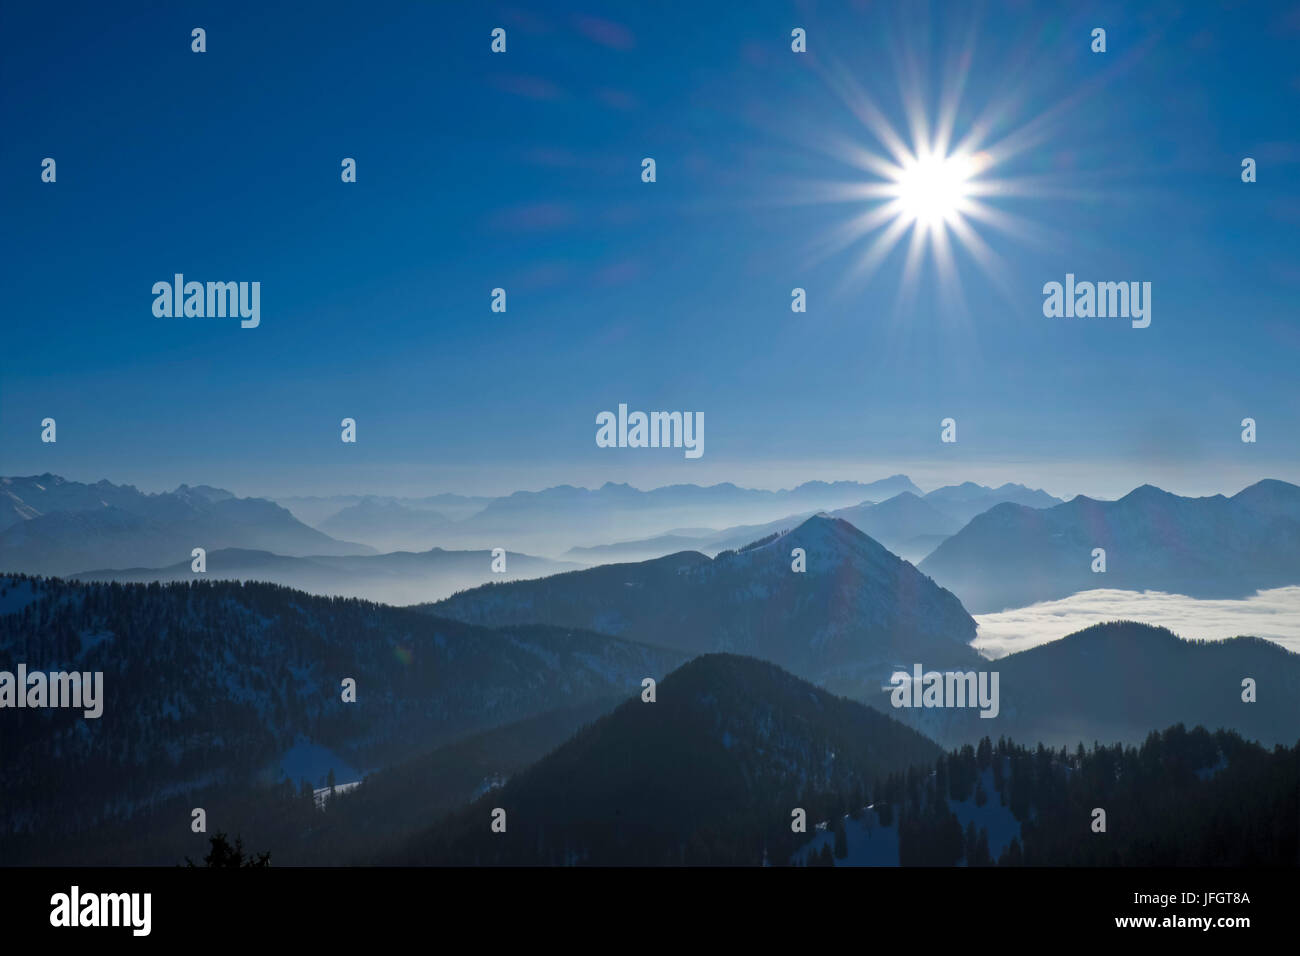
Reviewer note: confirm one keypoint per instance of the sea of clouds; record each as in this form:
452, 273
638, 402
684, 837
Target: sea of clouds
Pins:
1272, 614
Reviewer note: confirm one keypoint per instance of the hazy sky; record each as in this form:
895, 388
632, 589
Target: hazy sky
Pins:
522, 171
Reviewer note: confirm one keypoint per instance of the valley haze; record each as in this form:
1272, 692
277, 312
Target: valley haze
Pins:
419, 549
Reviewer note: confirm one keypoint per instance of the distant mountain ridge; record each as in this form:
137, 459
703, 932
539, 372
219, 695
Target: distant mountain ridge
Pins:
315, 509
116, 526
387, 525
968, 499
25, 498
1012, 556
570, 516
56, 526
907, 523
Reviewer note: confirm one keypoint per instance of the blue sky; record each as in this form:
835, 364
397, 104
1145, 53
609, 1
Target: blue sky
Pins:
522, 171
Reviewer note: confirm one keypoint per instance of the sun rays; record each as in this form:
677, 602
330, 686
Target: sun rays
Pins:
937, 182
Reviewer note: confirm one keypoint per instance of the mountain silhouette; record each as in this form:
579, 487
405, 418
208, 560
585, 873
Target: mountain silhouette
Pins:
52, 526
709, 773
856, 611
1120, 680
1215, 547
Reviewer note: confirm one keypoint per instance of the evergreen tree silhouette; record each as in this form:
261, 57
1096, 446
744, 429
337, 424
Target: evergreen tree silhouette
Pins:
224, 855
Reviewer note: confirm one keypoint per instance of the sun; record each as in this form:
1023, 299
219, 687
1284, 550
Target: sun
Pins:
927, 187
933, 190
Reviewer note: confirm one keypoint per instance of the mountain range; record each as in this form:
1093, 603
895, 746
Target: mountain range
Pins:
963, 502
315, 509
1212, 547
214, 691
208, 688
909, 524
102, 531
858, 614
555, 519
719, 768
49, 525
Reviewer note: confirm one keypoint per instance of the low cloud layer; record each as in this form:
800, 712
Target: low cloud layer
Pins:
1273, 614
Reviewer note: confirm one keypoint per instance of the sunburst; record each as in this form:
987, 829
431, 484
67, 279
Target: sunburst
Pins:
924, 187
